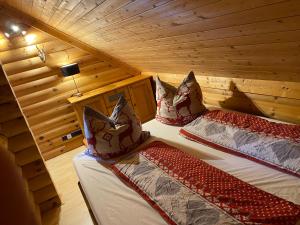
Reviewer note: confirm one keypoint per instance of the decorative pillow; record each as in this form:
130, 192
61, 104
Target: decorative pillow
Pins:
111, 137
179, 106
273, 144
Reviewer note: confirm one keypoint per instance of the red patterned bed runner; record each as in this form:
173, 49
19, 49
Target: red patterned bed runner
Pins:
241, 200
255, 124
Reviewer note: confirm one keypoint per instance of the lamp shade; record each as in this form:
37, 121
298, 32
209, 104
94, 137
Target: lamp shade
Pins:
70, 69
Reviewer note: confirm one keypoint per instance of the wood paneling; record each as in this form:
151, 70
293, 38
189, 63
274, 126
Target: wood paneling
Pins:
257, 39
42, 91
143, 100
254, 44
21, 145
136, 90
275, 99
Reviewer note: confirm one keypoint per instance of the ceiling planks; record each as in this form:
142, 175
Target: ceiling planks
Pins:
242, 39
20, 17
175, 36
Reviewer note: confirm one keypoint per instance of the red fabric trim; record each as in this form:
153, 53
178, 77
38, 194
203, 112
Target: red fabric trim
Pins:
143, 195
255, 124
239, 199
193, 137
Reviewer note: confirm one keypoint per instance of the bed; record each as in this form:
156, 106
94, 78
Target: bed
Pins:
113, 202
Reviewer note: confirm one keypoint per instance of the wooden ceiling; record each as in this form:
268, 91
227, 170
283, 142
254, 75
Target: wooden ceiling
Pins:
239, 38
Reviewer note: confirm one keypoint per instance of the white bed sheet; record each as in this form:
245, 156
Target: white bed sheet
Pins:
114, 203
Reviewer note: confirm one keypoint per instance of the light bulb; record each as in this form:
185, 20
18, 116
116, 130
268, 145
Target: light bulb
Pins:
15, 28
23, 32
30, 38
7, 34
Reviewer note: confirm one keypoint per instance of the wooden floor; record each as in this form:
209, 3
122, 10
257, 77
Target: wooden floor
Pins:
73, 210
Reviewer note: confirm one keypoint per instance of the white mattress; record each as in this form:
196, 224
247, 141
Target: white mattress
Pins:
114, 203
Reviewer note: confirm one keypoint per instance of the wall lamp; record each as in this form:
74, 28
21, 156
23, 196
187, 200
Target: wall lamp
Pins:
71, 70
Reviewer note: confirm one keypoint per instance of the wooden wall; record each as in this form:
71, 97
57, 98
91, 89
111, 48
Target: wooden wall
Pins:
42, 91
20, 143
274, 99
224, 38
232, 40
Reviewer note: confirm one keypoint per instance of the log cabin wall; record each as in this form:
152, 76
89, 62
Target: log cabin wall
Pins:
16, 138
42, 91
274, 99
250, 45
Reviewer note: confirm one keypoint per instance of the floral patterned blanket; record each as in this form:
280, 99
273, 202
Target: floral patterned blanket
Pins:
187, 190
